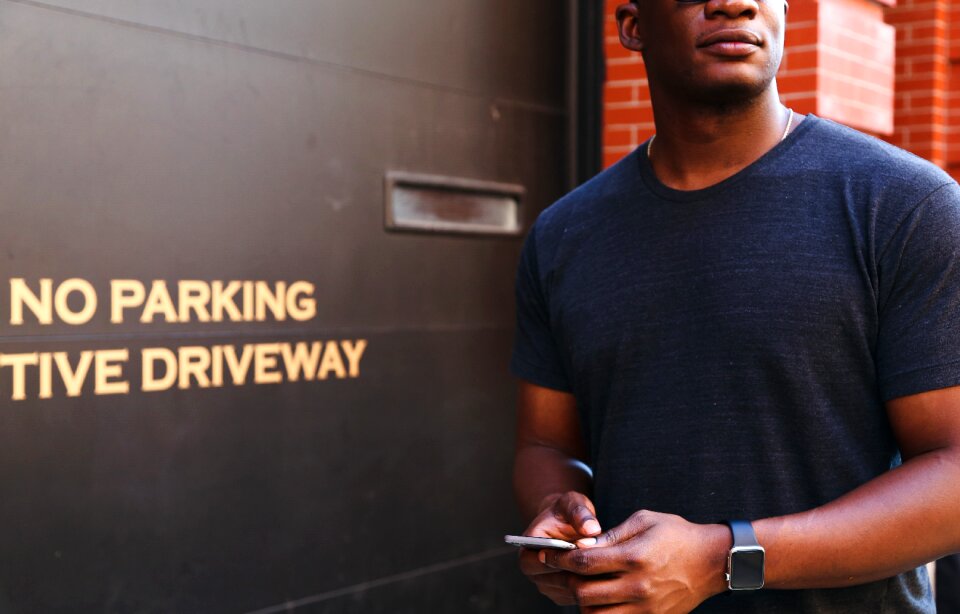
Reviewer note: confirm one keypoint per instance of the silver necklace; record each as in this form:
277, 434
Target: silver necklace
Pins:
782, 138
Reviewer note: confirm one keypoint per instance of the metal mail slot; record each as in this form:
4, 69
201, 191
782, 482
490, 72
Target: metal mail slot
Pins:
435, 203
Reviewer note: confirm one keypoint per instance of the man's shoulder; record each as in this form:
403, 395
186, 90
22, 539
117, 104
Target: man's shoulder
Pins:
591, 201
865, 160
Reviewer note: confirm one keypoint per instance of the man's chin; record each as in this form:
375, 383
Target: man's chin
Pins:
729, 91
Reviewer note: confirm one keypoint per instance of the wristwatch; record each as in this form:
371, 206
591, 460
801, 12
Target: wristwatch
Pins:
746, 558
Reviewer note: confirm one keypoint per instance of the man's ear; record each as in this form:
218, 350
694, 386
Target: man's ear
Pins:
628, 24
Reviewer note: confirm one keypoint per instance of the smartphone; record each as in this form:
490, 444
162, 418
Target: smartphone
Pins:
539, 543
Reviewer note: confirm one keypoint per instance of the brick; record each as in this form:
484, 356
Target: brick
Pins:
858, 46
806, 34
797, 83
620, 136
927, 31
923, 135
620, 93
927, 46
925, 102
626, 72
613, 49
801, 103
800, 60
802, 10
922, 83
913, 15
627, 115
925, 118
924, 65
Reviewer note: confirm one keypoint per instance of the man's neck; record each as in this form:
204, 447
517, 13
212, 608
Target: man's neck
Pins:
698, 146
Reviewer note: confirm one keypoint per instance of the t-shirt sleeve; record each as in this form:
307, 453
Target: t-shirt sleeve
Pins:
918, 342
535, 355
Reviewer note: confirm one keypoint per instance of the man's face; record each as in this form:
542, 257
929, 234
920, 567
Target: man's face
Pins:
717, 51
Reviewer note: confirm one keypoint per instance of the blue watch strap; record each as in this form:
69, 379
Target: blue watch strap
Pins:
743, 534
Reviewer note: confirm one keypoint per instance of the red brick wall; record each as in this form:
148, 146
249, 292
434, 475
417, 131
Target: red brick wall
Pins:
953, 95
627, 114
924, 65
797, 79
855, 64
838, 63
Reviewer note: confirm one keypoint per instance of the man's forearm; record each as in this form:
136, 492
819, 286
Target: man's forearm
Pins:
891, 524
541, 471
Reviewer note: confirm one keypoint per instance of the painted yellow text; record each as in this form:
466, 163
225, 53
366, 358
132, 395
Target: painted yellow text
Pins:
44, 375
74, 301
260, 363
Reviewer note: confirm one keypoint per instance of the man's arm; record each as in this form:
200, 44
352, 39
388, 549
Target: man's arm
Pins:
550, 452
896, 522
551, 481
891, 524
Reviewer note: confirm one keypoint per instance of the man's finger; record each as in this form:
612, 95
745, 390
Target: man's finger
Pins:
596, 592
632, 526
531, 565
560, 587
581, 514
590, 561
559, 580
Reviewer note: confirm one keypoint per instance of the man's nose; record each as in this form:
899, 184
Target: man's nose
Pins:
732, 8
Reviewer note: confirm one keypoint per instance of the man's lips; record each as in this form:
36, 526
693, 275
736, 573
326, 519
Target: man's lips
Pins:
730, 42
730, 36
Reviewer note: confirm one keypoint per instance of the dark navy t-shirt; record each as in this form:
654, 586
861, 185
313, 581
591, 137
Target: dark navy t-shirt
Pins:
730, 349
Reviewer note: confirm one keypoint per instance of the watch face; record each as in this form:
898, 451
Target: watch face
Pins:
746, 569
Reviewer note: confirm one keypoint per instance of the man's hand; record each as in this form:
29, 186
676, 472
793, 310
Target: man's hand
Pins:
570, 517
651, 563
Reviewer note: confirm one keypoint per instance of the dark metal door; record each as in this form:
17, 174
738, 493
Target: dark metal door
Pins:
180, 146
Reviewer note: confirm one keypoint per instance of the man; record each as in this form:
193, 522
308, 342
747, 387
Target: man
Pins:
754, 319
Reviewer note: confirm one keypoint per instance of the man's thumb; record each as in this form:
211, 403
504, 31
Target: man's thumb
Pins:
590, 526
